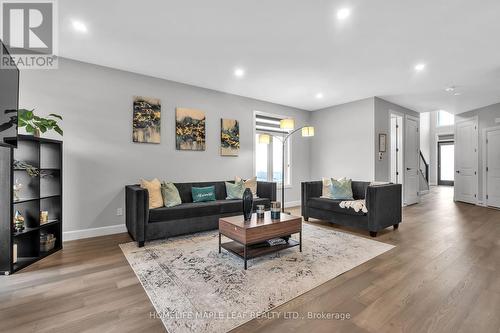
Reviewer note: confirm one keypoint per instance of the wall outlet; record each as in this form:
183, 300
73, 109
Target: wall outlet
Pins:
119, 211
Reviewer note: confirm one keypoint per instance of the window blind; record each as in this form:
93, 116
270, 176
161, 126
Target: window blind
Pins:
268, 124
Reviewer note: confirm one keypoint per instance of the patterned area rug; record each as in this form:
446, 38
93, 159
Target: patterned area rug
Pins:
195, 289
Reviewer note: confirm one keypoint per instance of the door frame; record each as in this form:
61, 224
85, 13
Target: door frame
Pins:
405, 152
476, 124
439, 181
484, 152
401, 144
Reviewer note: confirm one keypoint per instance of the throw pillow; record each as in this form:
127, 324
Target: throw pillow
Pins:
341, 189
249, 183
235, 191
170, 193
154, 190
326, 192
201, 194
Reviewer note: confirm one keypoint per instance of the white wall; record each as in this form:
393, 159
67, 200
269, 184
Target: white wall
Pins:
486, 118
383, 110
343, 144
425, 128
99, 156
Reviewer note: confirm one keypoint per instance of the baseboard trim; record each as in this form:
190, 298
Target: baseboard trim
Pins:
94, 232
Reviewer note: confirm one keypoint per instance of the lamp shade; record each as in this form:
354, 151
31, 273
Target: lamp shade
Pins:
308, 131
264, 139
287, 124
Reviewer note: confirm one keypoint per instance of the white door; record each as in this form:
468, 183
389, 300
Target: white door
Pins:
466, 160
493, 168
411, 151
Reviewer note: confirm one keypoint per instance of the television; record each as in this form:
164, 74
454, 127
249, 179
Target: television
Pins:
9, 99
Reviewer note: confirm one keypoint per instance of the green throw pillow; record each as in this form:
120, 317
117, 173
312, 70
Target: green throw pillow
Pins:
201, 194
341, 189
170, 194
235, 191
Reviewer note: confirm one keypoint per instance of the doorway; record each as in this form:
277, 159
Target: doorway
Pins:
446, 163
396, 175
492, 167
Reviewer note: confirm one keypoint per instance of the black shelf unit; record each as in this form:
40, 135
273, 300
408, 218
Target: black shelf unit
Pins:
40, 193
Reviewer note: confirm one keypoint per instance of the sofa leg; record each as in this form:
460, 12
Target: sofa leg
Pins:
396, 226
306, 218
141, 243
373, 233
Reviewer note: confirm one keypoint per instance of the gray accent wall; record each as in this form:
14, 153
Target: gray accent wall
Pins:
343, 145
100, 157
486, 118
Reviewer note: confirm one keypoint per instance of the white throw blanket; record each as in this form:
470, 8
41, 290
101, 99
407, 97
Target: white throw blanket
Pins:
357, 205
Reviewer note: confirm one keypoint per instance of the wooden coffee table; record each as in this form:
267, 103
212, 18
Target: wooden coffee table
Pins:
245, 234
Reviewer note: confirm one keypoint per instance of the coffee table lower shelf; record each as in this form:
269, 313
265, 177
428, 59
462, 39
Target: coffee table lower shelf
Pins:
249, 252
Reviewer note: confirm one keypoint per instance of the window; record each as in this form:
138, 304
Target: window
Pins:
269, 156
445, 118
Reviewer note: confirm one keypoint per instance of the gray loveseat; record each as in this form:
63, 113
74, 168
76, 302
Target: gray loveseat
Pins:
382, 201
144, 224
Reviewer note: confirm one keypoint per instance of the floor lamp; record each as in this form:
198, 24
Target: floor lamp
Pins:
286, 125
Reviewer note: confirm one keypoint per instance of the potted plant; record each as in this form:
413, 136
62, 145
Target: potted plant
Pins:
35, 124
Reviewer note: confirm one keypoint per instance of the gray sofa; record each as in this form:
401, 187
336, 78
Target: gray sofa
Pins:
144, 224
382, 201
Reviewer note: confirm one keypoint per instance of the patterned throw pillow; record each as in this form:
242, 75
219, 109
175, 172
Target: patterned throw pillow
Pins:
154, 191
170, 193
341, 189
235, 191
201, 194
250, 183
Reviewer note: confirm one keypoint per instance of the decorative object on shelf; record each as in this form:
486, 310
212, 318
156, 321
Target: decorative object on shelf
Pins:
18, 221
146, 124
47, 242
31, 170
275, 210
230, 137
260, 211
190, 129
247, 204
47, 174
17, 187
34, 124
287, 125
14, 253
44, 217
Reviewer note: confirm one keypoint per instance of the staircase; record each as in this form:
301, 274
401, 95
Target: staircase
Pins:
423, 173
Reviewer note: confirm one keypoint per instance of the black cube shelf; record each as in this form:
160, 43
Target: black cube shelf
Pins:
39, 193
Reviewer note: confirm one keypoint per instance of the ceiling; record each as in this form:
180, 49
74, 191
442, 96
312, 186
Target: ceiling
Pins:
291, 50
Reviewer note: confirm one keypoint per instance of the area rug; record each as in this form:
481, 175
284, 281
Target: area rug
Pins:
195, 289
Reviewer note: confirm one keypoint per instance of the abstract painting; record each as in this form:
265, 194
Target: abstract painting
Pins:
189, 129
229, 137
147, 120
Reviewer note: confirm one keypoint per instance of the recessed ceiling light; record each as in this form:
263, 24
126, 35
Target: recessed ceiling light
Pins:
419, 67
239, 72
79, 26
450, 89
457, 94
343, 13
319, 95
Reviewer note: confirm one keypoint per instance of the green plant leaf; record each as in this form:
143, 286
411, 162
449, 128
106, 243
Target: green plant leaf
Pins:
42, 128
29, 115
58, 130
56, 116
30, 129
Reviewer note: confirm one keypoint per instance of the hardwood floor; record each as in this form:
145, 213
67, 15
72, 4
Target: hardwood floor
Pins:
443, 276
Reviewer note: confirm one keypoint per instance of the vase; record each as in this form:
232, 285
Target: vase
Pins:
36, 133
247, 204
